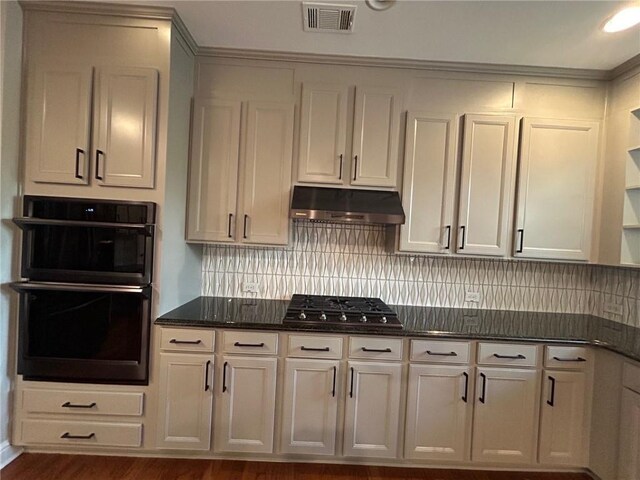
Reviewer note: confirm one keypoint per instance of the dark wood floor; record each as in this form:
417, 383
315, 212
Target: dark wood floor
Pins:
35, 466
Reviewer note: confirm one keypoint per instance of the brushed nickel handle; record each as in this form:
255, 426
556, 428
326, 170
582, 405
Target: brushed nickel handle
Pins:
78, 405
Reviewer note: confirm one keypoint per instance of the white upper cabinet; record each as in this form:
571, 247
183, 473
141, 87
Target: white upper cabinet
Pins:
59, 119
486, 185
324, 123
376, 132
429, 183
323, 133
58, 124
125, 126
213, 174
556, 189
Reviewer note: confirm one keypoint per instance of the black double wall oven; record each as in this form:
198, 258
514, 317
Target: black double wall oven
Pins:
85, 301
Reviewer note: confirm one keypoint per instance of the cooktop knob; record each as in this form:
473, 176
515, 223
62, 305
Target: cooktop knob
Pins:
343, 317
323, 316
363, 318
302, 316
383, 320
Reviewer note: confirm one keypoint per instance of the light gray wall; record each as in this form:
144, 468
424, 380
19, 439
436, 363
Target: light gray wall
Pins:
10, 73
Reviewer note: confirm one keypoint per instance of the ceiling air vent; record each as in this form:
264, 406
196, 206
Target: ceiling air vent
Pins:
325, 17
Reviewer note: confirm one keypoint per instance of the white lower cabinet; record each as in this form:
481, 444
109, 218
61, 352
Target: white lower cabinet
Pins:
185, 401
563, 425
629, 459
246, 402
439, 412
310, 406
506, 416
373, 410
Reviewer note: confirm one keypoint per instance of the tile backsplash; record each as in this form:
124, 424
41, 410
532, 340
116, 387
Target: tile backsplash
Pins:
351, 260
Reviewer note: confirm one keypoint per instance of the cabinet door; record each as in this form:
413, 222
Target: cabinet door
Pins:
486, 185
58, 124
185, 401
310, 406
556, 187
246, 405
373, 410
323, 131
376, 133
438, 413
125, 126
213, 171
267, 174
506, 416
629, 459
429, 183
563, 426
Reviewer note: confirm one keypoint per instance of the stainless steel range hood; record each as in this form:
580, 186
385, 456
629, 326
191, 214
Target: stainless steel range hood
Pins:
340, 205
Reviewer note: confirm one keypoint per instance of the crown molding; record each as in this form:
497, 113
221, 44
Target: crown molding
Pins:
625, 67
354, 60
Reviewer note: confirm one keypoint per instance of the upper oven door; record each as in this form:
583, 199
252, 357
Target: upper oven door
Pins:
90, 242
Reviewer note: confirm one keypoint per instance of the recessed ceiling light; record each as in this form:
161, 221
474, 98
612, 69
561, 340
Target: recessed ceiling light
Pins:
624, 19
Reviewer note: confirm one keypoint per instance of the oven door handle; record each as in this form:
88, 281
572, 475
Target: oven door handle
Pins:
26, 222
79, 287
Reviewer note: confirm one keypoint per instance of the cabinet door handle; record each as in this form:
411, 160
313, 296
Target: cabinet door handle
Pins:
448, 229
442, 354
351, 384
244, 228
340, 171
521, 240
98, 153
78, 437
577, 359
333, 388
510, 357
551, 401
78, 405
466, 387
314, 349
376, 350
256, 345
229, 226
483, 395
185, 342
355, 168
206, 376
224, 377
78, 152
462, 233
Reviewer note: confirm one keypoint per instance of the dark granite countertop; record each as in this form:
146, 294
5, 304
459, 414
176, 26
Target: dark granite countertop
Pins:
437, 322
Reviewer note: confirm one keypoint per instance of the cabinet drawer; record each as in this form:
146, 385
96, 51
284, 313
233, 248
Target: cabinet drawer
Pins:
570, 357
507, 354
82, 402
631, 377
81, 433
187, 339
250, 343
314, 346
439, 351
378, 348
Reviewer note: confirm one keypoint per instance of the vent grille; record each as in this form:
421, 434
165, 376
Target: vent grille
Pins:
324, 17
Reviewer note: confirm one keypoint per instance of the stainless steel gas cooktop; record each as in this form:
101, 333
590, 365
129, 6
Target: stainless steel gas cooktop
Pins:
351, 311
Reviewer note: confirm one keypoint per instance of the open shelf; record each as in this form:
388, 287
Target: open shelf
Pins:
630, 244
630, 251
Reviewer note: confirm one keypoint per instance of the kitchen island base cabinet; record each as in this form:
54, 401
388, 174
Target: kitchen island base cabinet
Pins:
246, 403
310, 406
506, 416
629, 459
373, 410
185, 401
439, 412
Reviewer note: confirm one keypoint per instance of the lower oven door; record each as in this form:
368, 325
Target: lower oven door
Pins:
83, 333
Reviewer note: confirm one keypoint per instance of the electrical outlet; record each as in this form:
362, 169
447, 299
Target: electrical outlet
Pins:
250, 287
613, 307
470, 320
472, 297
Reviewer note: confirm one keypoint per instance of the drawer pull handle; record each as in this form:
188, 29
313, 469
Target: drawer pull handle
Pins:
466, 387
78, 437
577, 359
333, 388
314, 349
510, 357
376, 350
442, 354
78, 405
185, 342
553, 391
256, 345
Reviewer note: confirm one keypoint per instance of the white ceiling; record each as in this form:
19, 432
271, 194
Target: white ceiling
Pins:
541, 33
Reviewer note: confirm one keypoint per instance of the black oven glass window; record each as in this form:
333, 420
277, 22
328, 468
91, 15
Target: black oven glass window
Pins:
85, 325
